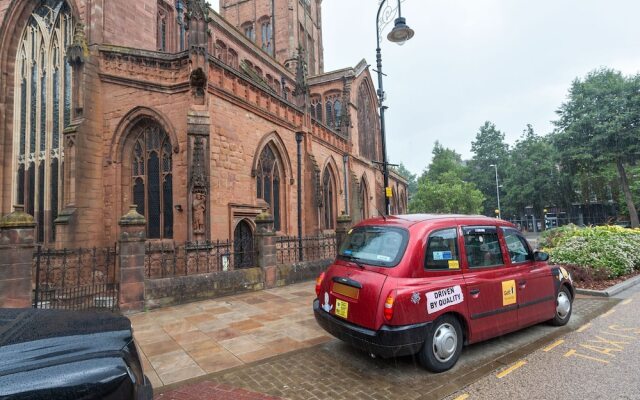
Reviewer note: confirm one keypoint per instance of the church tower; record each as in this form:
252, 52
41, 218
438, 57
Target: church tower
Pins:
280, 27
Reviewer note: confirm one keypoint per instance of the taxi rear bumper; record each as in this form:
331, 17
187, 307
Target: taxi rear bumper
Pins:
388, 341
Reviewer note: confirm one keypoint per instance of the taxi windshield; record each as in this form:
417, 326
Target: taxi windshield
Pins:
374, 245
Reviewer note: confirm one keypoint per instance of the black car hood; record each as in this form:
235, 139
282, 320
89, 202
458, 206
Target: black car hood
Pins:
39, 344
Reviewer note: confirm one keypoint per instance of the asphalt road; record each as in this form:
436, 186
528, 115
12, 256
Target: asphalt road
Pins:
599, 360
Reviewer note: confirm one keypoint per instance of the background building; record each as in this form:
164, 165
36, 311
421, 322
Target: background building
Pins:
191, 115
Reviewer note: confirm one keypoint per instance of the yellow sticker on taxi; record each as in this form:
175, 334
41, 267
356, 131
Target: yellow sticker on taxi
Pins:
342, 308
508, 292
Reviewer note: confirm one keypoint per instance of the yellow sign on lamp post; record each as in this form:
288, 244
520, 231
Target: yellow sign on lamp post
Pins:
389, 192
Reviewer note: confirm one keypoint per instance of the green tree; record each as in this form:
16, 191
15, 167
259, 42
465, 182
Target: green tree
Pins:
599, 126
533, 177
412, 179
445, 161
488, 149
441, 188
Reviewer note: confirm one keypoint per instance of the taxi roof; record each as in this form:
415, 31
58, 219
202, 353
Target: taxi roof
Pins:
407, 220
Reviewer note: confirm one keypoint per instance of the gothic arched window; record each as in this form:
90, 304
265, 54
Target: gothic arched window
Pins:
367, 124
247, 29
337, 112
364, 200
268, 182
221, 51
329, 113
152, 180
316, 108
266, 35
328, 199
43, 109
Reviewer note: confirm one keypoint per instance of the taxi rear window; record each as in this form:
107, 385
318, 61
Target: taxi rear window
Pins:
442, 250
374, 245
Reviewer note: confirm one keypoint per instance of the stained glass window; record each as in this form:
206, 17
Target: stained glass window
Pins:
42, 111
337, 108
328, 193
268, 182
266, 36
329, 110
152, 180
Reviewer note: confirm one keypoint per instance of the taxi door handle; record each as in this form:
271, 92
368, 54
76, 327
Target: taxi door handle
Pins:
474, 292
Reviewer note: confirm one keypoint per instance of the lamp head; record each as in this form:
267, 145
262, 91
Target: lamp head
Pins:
400, 32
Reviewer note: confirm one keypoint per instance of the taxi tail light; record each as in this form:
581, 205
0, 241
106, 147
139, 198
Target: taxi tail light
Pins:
388, 305
319, 280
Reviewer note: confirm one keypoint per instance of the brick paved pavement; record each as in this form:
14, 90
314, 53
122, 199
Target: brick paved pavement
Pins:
333, 370
208, 390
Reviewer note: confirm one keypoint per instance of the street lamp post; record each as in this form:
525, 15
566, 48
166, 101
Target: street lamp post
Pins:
497, 190
399, 34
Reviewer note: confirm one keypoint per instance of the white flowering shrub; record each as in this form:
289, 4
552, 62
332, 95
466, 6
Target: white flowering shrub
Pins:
608, 251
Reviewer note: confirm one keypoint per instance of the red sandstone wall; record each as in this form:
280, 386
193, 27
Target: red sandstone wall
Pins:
235, 137
131, 23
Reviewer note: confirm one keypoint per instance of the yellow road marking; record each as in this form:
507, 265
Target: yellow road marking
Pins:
462, 397
573, 352
627, 301
608, 313
511, 369
553, 345
583, 327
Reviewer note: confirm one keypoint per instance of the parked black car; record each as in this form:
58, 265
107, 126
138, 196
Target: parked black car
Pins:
51, 354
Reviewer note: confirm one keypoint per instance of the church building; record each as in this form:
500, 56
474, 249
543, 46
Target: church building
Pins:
203, 120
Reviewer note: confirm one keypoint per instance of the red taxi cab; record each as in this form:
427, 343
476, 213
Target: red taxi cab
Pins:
427, 284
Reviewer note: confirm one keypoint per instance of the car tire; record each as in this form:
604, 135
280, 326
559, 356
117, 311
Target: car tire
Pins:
564, 307
443, 344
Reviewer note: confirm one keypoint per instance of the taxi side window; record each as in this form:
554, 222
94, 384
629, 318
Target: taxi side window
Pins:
442, 250
519, 250
482, 247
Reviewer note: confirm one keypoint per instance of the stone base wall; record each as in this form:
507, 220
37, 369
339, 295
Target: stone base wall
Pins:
300, 272
184, 289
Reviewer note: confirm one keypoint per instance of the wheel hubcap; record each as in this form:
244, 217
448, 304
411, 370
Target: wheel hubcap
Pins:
445, 342
564, 305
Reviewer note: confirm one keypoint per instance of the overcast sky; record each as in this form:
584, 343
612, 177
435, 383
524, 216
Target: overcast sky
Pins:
507, 61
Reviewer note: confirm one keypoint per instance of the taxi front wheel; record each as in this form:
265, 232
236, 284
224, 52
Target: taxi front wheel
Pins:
442, 345
563, 307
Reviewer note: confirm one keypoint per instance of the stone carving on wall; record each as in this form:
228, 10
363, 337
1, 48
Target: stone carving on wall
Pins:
302, 88
144, 67
199, 184
198, 82
199, 208
78, 51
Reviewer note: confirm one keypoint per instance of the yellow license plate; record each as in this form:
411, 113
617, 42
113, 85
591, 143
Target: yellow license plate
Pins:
345, 290
342, 308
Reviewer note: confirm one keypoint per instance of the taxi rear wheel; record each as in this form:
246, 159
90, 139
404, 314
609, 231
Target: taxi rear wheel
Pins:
564, 307
443, 344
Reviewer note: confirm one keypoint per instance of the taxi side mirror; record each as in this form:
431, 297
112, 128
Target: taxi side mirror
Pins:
540, 256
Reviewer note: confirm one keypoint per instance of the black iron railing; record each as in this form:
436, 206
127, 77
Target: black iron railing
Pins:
165, 260
75, 279
314, 248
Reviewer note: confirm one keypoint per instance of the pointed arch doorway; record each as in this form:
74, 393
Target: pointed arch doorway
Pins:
243, 246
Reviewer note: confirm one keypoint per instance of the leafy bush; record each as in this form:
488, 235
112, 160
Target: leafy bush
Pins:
607, 251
